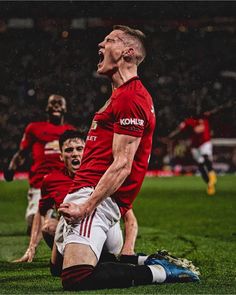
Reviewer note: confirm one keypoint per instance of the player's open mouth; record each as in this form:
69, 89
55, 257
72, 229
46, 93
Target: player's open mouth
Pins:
56, 113
75, 162
101, 57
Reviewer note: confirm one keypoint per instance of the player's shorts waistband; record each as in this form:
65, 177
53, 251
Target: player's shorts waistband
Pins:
81, 193
108, 206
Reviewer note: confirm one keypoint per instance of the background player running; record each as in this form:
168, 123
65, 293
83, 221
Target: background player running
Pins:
40, 140
198, 128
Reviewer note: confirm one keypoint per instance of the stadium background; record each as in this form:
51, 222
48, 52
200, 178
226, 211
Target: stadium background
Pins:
51, 47
191, 63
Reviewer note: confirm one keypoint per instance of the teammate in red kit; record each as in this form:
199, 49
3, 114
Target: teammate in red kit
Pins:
41, 140
201, 146
113, 167
54, 189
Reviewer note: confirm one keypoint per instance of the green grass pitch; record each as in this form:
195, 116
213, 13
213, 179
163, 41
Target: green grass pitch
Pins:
173, 213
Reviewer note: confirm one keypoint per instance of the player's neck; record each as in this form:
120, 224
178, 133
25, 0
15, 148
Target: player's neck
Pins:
70, 173
123, 75
56, 120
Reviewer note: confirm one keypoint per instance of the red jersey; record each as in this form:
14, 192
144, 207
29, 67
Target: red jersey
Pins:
129, 111
54, 188
42, 138
199, 128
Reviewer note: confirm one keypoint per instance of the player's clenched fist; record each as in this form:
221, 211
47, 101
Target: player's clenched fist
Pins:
73, 212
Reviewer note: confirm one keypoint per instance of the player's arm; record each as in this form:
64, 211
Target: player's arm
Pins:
219, 108
175, 132
45, 203
49, 225
17, 160
182, 126
35, 238
131, 231
56, 261
19, 157
124, 148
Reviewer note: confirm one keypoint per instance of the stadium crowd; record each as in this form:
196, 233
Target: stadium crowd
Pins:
186, 67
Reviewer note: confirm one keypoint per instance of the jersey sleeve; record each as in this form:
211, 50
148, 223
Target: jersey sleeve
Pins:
129, 114
27, 139
46, 201
123, 210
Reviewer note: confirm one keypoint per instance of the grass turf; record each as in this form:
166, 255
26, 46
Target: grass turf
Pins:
173, 213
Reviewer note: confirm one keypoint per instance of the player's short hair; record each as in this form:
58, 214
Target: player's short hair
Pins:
134, 35
71, 134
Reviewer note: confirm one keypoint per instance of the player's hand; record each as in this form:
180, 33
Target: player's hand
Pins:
73, 212
27, 257
8, 174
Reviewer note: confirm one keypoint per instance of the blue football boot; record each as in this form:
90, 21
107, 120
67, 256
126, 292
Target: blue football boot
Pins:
178, 270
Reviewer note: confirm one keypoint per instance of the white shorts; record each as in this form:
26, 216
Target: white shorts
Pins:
204, 149
100, 227
34, 194
114, 241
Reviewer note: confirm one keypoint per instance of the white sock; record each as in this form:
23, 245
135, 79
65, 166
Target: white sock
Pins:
141, 259
158, 273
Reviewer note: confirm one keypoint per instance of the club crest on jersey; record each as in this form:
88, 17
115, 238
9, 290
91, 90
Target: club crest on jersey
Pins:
94, 125
131, 121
